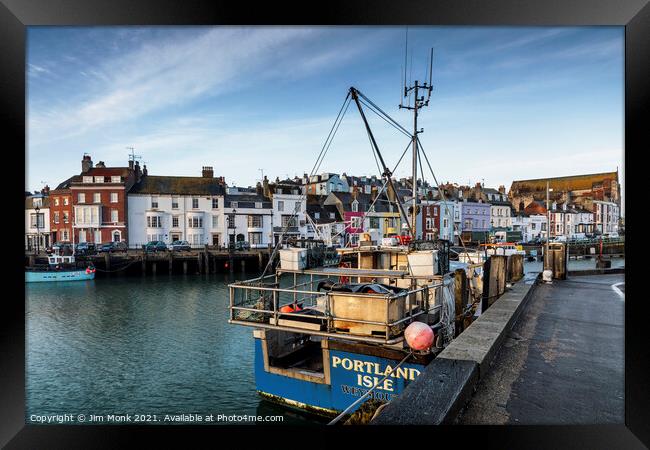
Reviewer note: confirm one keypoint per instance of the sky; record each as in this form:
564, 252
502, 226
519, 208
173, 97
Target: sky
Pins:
508, 102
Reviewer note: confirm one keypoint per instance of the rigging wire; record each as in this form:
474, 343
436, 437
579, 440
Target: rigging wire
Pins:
444, 200
317, 164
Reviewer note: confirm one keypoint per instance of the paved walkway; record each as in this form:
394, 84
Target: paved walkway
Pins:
563, 361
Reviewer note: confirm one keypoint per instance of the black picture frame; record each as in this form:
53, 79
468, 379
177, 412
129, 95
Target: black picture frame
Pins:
16, 15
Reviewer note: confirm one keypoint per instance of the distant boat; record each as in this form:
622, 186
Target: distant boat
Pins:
59, 268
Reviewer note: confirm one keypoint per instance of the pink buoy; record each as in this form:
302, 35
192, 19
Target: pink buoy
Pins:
419, 336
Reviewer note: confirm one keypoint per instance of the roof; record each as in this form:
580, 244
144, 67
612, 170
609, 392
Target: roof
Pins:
65, 184
365, 200
29, 201
247, 201
324, 212
154, 184
499, 203
102, 172
566, 183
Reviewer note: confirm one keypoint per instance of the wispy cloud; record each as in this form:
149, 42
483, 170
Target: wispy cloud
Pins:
170, 74
34, 70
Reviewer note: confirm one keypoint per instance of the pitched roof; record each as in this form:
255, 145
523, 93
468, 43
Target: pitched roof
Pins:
101, 172
566, 183
29, 201
65, 184
247, 200
155, 184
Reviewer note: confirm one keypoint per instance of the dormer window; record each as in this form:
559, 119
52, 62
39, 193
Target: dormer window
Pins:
116, 179
99, 179
88, 179
355, 206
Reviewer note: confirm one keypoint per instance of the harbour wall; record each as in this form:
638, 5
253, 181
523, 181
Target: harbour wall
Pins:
444, 387
137, 262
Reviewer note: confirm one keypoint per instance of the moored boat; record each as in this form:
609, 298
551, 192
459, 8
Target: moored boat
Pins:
59, 268
326, 338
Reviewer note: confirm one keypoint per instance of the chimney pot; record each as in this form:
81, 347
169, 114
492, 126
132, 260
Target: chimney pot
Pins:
207, 172
86, 163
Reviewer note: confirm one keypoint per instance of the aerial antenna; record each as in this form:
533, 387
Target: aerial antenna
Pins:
430, 75
419, 101
132, 156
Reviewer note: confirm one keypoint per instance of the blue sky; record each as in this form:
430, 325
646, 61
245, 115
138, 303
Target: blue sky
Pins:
509, 102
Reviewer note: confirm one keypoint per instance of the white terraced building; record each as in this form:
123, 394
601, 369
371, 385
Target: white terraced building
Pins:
248, 217
165, 208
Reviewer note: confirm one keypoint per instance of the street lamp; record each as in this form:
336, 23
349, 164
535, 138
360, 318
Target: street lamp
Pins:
232, 226
38, 231
548, 219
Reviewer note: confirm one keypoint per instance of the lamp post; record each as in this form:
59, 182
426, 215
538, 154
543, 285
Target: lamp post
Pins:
548, 219
232, 226
38, 231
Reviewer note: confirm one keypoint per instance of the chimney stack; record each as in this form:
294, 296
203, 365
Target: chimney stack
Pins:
86, 163
265, 186
502, 189
373, 192
46, 190
101, 164
258, 188
138, 174
144, 170
208, 172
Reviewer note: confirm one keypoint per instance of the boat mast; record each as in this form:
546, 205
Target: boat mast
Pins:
418, 103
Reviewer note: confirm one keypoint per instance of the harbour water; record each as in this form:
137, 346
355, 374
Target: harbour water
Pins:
139, 345
147, 345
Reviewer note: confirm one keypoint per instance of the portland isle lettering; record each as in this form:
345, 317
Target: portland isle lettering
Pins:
370, 374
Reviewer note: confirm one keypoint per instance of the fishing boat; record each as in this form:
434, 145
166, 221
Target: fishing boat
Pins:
59, 268
328, 337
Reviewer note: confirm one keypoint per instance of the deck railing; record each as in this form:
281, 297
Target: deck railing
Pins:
257, 303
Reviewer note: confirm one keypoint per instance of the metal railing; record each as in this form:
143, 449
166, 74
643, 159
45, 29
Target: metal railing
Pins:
258, 302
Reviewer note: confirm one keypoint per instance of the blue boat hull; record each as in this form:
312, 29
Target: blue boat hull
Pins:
58, 275
350, 376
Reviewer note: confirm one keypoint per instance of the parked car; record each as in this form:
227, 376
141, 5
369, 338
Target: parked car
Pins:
85, 248
180, 246
63, 248
155, 246
112, 247
239, 245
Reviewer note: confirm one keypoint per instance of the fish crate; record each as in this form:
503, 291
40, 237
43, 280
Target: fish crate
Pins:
352, 313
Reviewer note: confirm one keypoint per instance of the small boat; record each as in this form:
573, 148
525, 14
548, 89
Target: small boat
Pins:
59, 268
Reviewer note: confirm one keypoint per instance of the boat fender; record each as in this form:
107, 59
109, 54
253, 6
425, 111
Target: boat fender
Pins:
290, 308
419, 336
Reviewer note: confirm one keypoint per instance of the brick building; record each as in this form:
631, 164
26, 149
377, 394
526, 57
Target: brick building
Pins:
61, 212
99, 201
